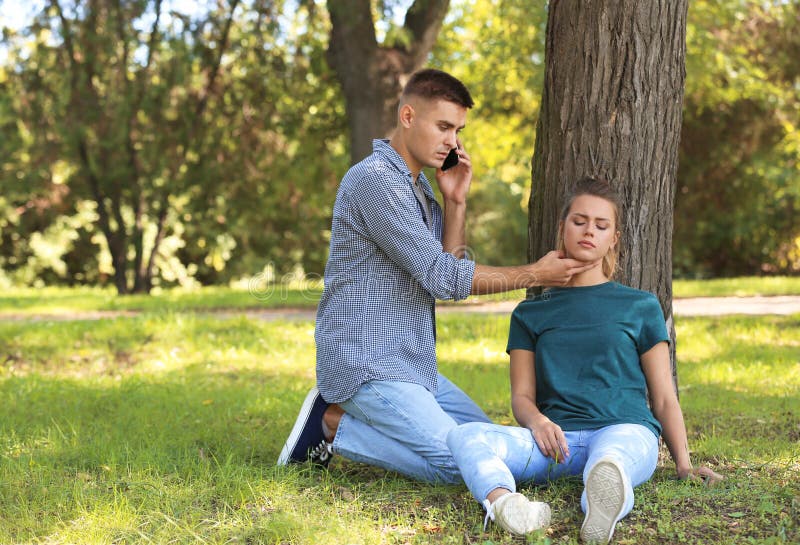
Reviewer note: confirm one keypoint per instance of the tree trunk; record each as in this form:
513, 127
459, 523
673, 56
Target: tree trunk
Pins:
372, 76
372, 94
612, 106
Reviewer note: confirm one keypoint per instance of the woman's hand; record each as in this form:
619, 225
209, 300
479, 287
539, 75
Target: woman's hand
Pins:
551, 440
704, 474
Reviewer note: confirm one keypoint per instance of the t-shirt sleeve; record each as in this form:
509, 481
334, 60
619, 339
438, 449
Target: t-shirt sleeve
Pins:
520, 335
654, 329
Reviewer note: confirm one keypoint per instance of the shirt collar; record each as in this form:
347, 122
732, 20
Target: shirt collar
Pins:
383, 147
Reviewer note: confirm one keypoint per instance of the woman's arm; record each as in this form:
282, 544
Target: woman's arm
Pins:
548, 435
665, 407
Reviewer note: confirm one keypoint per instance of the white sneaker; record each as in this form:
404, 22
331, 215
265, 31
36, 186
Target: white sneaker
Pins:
606, 495
517, 514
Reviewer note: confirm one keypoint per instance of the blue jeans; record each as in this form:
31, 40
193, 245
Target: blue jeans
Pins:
403, 427
492, 456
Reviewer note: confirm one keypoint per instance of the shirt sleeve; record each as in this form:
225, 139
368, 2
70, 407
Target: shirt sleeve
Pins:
519, 334
392, 220
654, 328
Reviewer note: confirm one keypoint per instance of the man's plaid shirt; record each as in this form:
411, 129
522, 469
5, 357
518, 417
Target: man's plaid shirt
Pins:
386, 268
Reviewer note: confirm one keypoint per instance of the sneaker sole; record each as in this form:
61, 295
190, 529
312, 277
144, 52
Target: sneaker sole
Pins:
299, 426
517, 518
605, 499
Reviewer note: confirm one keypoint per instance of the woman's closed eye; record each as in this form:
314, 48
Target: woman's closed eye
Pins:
600, 226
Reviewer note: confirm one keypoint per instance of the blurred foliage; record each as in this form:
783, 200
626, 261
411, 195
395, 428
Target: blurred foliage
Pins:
738, 193
245, 170
496, 48
210, 139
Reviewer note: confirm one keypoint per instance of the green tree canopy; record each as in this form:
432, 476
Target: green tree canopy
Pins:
739, 178
146, 143
166, 138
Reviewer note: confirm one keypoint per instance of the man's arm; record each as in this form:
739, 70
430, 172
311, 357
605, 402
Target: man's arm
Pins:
388, 213
454, 237
550, 270
454, 185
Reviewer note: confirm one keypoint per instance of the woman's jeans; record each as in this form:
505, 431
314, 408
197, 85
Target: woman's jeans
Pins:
403, 427
491, 456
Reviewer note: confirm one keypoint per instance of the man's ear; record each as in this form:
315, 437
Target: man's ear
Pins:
406, 115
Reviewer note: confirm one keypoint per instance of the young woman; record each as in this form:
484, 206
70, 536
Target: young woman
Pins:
583, 359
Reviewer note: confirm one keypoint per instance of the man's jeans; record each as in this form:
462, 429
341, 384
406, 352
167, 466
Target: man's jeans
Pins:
402, 427
492, 456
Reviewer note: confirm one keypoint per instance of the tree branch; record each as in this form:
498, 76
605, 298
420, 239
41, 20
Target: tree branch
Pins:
424, 21
69, 47
352, 34
223, 45
83, 149
135, 97
160, 232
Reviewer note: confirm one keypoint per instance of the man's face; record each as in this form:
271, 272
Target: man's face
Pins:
433, 129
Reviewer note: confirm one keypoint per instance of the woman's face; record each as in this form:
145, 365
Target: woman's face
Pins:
590, 229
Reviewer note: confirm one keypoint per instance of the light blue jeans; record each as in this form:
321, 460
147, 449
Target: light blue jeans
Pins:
403, 427
491, 456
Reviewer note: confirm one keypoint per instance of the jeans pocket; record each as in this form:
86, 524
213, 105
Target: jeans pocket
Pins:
355, 410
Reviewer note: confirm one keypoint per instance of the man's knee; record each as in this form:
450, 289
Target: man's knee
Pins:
446, 473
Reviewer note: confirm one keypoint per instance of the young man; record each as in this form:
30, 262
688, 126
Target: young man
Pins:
394, 251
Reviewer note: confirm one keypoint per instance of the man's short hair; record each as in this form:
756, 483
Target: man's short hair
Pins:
435, 84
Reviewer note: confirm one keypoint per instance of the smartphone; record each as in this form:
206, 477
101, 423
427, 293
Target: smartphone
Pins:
451, 160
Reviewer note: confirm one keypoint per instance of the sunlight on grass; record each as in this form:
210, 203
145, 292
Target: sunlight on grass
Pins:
58, 301
756, 355
165, 427
737, 287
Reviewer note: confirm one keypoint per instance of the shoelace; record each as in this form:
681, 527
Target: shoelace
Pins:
489, 514
322, 451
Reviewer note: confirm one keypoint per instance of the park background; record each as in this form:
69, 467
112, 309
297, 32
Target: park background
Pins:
157, 418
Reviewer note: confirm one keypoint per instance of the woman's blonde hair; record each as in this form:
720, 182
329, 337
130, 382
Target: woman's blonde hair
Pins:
596, 187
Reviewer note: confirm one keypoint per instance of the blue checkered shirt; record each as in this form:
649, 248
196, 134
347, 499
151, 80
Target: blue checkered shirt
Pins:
386, 268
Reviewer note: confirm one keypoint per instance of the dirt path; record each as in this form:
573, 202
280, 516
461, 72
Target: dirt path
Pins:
695, 306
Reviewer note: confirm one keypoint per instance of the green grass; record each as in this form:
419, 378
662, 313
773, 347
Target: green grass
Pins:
64, 302
164, 427
739, 287
60, 301
56, 301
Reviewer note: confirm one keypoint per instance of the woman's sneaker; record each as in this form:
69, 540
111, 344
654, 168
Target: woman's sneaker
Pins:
517, 514
306, 442
606, 495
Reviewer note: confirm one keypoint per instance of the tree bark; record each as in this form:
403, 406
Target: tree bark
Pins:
612, 106
372, 76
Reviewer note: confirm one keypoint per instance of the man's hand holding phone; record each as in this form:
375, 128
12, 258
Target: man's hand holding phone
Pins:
455, 175
451, 160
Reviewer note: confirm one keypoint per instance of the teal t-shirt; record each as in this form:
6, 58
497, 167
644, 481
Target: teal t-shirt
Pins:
587, 342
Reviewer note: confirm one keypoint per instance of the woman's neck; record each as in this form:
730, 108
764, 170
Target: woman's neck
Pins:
592, 277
